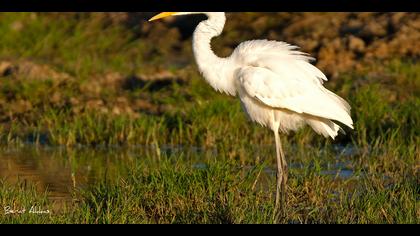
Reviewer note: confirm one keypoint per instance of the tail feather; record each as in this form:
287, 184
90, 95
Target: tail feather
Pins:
345, 117
323, 126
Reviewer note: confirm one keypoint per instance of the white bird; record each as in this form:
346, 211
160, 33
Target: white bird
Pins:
278, 86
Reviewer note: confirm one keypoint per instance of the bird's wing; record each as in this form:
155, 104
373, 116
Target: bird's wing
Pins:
287, 80
279, 57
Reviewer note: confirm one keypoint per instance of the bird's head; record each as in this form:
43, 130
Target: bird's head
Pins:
166, 14
216, 20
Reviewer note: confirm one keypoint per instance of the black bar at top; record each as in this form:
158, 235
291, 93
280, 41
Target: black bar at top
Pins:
210, 5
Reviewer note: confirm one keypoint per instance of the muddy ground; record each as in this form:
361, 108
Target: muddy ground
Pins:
342, 43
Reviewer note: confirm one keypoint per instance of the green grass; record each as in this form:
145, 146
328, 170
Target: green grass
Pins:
160, 185
172, 191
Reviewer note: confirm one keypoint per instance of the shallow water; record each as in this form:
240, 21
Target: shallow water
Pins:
60, 170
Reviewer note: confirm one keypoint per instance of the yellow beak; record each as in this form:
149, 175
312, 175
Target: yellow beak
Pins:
162, 15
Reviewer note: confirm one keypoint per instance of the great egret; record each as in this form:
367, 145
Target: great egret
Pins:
276, 84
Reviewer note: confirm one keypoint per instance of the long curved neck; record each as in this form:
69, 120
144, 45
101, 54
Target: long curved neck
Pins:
210, 65
205, 31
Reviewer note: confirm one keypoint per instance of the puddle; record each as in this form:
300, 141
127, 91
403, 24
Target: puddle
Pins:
39, 166
61, 171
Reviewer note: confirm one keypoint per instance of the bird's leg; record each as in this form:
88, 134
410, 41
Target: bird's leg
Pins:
279, 174
285, 172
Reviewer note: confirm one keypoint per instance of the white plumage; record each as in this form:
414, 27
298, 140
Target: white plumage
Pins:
277, 85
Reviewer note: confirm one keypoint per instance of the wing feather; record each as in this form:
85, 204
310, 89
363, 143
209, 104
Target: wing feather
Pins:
272, 54
287, 87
